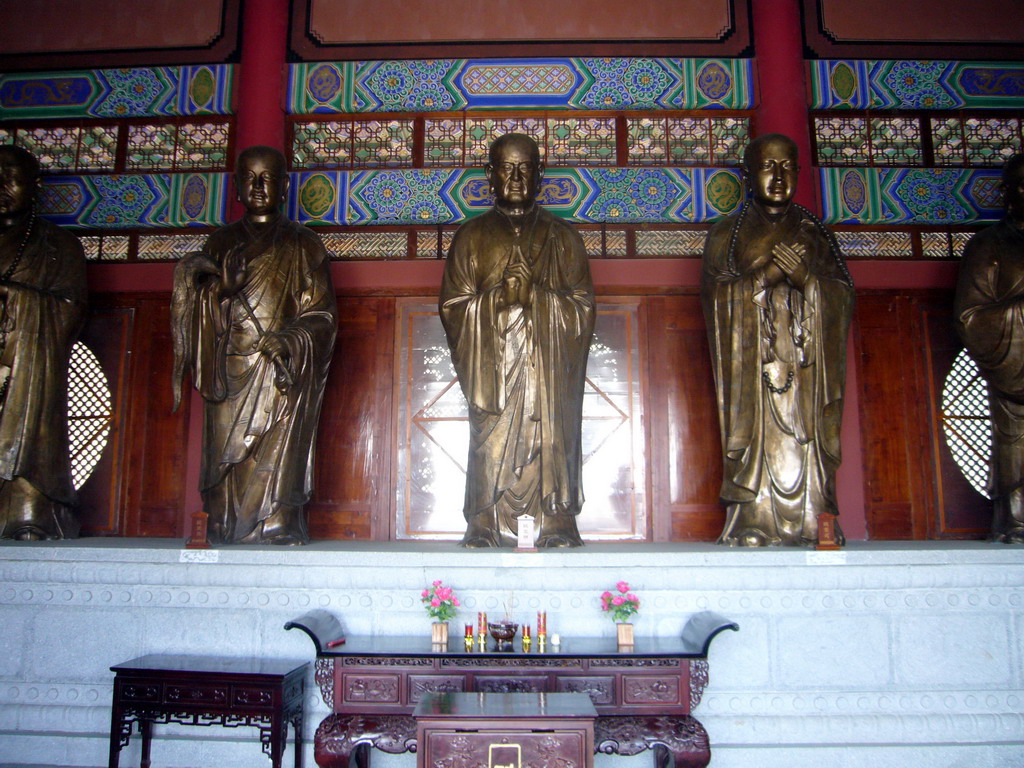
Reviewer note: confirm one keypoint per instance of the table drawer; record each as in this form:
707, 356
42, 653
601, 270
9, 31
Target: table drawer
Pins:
659, 690
505, 749
419, 685
196, 693
600, 688
140, 691
511, 684
252, 696
370, 689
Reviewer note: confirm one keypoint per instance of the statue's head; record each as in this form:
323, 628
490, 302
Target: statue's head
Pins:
19, 181
770, 168
514, 171
261, 181
1013, 187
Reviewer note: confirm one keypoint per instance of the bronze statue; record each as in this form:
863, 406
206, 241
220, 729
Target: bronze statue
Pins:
777, 300
254, 318
517, 306
42, 307
989, 316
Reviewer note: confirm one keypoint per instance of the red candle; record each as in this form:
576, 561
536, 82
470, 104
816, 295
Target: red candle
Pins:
469, 630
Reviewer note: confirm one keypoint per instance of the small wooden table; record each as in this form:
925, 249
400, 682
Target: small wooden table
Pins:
208, 690
505, 730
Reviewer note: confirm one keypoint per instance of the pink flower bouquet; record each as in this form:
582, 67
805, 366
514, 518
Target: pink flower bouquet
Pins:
621, 604
440, 601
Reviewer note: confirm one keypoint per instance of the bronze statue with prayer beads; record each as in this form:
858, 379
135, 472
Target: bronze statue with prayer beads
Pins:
42, 309
777, 300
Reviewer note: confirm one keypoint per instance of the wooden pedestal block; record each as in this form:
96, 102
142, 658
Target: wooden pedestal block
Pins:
505, 730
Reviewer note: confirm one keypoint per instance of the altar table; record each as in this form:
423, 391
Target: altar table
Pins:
644, 694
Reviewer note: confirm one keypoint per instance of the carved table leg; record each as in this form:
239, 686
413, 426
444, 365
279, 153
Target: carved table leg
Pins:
146, 728
340, 738
120, 732
277, 738
297, 727
676, 741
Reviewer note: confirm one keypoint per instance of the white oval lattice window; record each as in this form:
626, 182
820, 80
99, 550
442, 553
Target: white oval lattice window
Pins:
89, 412
966, 421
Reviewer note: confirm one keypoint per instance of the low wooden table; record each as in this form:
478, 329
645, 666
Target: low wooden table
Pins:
208, 690
505, 730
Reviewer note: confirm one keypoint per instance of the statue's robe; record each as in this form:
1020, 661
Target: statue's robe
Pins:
779, 359
260, 418
522, 372
989, 316
39, 323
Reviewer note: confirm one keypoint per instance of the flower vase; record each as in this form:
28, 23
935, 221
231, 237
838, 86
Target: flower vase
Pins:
624, 635
439, 633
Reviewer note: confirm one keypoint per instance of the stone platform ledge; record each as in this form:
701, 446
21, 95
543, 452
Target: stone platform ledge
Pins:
450, 555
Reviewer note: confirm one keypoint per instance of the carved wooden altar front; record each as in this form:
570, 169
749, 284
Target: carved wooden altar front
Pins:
644, 695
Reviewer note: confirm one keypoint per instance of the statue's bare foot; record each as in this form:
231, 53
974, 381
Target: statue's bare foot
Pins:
1012, 537
478, 542
749, 538
479, 534
557, 541
29, 533
285, 540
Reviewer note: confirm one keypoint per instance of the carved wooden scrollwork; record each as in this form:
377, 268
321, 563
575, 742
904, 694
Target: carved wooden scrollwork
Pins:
679, 742
324, 677
339, 738
698, 681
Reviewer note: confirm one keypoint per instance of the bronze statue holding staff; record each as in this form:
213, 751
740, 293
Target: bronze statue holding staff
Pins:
254, 319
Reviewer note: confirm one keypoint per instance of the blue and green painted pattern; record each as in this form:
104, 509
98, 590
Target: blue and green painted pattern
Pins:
119, 201
443, 196
905, 84
909, 195
387, 196
443, 85
115, 93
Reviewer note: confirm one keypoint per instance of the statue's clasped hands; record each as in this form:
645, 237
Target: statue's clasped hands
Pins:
517, 284
790, 259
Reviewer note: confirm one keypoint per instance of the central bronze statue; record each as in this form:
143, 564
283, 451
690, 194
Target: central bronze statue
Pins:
517, 305
777, 300
254, 318
989, 316
42, 309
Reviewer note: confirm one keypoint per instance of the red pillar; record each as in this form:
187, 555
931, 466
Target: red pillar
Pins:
262, 74
778, 48
261, 78
782, 77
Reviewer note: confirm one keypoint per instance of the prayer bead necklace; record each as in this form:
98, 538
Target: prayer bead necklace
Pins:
778, 390
21, 248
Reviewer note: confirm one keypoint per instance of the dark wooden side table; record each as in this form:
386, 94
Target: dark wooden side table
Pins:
208, 690
505, 730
